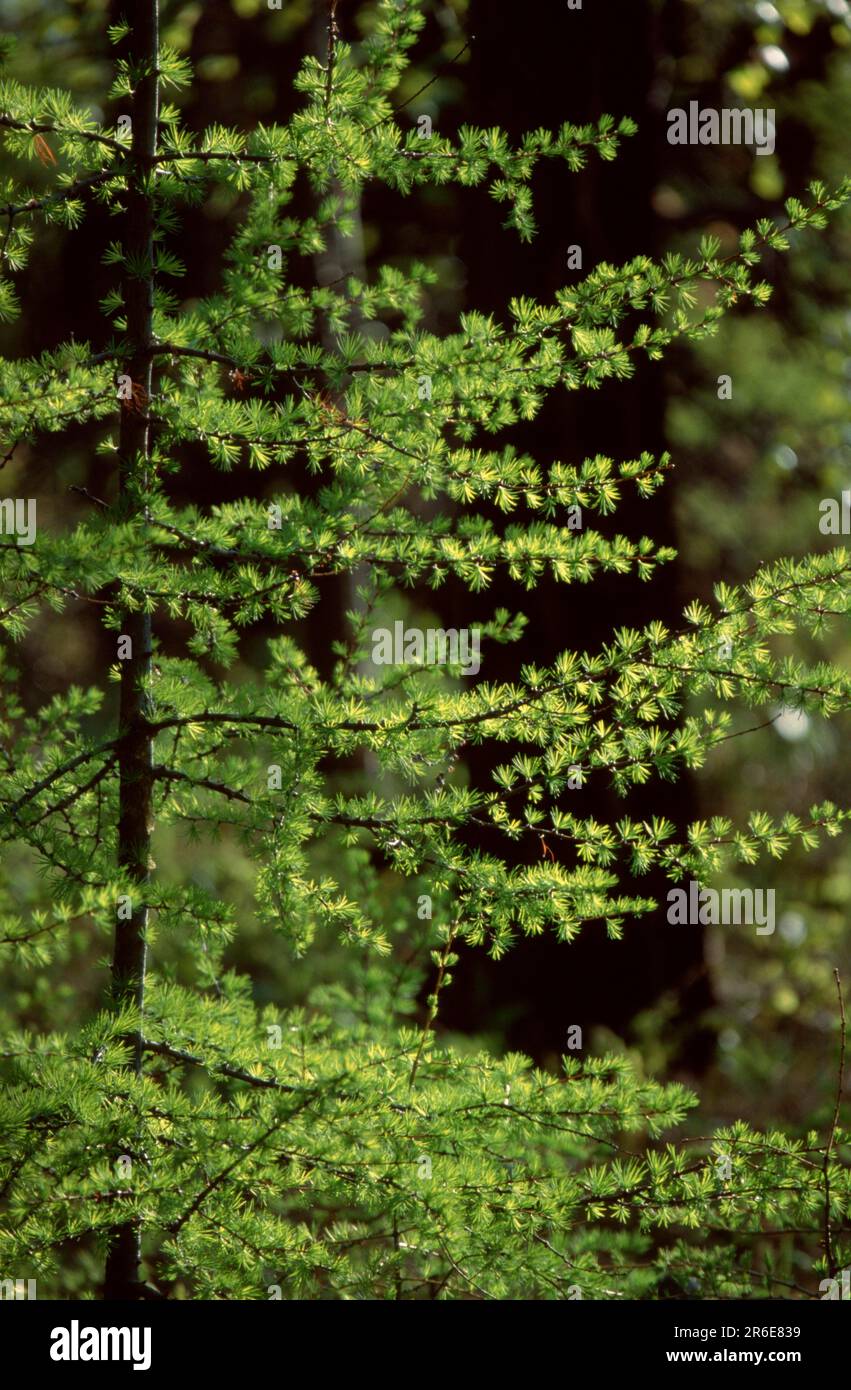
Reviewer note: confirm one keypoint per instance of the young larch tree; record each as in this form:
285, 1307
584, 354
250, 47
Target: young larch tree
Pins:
184, 1139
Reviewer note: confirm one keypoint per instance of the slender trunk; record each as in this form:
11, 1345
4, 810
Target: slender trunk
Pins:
135, 818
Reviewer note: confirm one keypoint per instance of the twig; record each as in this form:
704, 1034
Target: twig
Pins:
89, 496
840, 1082
224, 1068
333, 36
34, 204
32, 128
424, 88
434, 1000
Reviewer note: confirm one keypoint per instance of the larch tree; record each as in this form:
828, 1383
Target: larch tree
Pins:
183, 1139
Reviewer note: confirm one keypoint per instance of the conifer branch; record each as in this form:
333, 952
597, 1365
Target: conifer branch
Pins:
840, 1084
41, 128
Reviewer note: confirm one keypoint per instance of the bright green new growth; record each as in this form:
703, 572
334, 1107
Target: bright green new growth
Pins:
338, 1151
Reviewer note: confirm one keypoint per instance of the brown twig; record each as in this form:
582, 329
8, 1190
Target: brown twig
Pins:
840, 1082
333, 36
424, 88
434, 999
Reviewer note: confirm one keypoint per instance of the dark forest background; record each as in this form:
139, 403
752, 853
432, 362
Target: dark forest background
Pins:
734, 1013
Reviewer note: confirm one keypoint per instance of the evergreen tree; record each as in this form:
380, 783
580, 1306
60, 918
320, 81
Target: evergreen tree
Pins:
199, 1145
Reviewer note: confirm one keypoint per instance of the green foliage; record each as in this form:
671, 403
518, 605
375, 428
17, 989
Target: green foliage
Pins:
336, 1150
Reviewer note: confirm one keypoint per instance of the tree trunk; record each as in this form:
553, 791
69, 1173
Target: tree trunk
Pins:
135, 818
